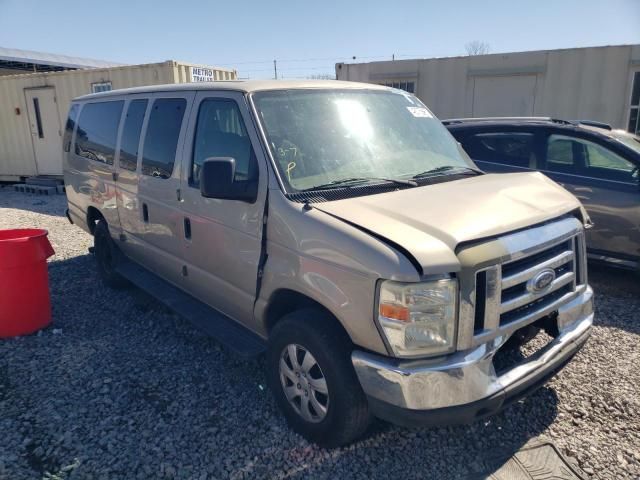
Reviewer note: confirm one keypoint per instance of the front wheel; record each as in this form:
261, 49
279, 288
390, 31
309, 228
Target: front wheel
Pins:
312, 378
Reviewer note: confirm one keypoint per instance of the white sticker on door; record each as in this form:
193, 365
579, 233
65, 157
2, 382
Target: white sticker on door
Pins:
420, 112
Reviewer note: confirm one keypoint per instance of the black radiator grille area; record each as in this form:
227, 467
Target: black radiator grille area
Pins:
537, 304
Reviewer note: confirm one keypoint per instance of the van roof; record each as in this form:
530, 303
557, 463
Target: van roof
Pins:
245, 86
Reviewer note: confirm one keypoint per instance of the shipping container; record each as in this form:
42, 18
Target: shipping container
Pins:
34, 107
594, 83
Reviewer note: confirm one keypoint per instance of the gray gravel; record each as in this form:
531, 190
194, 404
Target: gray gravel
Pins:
120, 388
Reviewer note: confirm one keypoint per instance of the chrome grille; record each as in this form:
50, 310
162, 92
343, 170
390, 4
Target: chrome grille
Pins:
501, 295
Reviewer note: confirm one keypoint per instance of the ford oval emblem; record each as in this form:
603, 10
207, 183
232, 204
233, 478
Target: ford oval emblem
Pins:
541, 280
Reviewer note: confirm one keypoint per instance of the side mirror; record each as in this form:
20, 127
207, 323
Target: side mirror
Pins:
217, 180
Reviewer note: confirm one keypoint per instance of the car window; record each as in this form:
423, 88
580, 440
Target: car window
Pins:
161, 138
560, 152
220, 132
98, 130
579, 156
131, 135
600, 157
69, 126
508, 148
603, 163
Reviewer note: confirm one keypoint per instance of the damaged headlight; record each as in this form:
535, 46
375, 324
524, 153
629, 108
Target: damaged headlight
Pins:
418, 318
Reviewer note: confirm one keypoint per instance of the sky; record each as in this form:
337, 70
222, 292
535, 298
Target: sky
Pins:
307, 38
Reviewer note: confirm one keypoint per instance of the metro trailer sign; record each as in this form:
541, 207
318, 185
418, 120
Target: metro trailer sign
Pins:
200, 74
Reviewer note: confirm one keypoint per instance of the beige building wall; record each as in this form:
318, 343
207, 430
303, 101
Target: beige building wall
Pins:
582, 83
17, 158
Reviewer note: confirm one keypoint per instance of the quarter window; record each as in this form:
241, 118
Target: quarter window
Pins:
131, 135
161, 139
98, 130
220, 132
507, 148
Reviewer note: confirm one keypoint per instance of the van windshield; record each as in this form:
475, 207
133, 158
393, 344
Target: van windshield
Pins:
324, 137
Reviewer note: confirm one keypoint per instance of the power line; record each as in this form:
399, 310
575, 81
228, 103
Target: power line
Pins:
297, 60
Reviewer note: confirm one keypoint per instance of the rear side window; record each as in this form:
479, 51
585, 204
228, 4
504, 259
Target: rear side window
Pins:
508, 148
220, 132
69, 127
98, 130
131, 135
161, 139
560, 153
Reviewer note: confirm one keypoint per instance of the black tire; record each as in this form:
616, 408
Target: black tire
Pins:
107, 256
347, 412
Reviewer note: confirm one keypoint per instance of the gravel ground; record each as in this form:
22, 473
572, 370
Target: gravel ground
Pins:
119, 388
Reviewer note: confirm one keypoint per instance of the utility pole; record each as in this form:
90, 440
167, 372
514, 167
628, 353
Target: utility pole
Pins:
275, 69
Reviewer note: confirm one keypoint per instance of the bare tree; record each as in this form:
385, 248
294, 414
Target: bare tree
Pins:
476, 47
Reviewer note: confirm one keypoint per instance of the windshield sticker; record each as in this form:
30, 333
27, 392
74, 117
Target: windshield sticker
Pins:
420, 112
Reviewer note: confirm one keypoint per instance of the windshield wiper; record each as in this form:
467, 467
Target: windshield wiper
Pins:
349, 182
447, 168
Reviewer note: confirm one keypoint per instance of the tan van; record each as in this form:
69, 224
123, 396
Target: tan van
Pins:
340, 228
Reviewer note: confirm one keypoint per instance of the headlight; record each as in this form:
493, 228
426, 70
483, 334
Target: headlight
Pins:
418, 318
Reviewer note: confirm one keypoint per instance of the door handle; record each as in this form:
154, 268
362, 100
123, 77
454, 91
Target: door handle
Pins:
187, 228
145, 213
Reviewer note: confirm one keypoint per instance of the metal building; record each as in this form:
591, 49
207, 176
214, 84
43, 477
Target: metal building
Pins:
596, 83
34, 106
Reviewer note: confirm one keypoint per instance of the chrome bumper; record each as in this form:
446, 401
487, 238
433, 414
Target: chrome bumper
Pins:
465, 383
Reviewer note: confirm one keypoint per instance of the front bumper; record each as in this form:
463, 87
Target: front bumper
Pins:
464, 386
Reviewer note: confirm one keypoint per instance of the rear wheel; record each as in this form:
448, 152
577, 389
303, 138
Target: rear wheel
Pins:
312, 378
107, 256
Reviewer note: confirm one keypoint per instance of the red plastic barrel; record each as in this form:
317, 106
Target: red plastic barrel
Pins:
25, 305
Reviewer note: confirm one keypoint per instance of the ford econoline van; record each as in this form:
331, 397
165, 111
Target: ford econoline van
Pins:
339, 228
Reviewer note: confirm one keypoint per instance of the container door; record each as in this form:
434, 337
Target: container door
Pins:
504, 96
222, 238
46, 132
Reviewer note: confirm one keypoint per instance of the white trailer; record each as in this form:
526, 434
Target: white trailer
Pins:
34, 106
595, 83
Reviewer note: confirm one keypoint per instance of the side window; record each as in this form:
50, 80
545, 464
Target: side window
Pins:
508, 148
560, 153
220, 132
603, 163
161, 139
98, 130
69, 127
131, 134
579, 156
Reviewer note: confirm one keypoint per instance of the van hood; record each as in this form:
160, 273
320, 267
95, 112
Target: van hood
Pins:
429, 222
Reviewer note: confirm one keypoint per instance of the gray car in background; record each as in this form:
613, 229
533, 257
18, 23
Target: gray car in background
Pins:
597, 164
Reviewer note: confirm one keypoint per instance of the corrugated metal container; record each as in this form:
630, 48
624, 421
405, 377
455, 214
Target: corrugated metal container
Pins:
19, 126
592, 83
